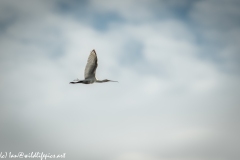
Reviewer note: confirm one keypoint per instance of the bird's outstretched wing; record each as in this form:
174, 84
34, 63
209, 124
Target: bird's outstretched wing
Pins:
91, 66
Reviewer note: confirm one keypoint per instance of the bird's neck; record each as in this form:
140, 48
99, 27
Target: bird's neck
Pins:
100, 81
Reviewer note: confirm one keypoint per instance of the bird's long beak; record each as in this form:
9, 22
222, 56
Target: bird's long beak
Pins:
113, 81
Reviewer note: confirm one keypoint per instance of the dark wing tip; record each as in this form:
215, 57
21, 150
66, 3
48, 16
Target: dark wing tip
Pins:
93, 51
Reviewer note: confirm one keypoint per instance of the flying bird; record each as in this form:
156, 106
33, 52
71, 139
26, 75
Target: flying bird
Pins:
90, 71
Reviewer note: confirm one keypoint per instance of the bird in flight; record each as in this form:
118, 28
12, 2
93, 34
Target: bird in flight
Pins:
90, 71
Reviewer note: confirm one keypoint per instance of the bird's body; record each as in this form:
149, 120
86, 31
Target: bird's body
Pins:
90, 71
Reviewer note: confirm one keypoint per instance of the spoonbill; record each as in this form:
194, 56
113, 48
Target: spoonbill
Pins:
90, 71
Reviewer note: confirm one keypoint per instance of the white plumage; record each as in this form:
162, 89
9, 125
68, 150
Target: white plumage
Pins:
90, 71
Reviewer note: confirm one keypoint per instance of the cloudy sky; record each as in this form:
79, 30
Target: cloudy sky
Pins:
177, 62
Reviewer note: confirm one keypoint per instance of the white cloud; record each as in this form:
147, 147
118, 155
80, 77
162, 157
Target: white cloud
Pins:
127, 9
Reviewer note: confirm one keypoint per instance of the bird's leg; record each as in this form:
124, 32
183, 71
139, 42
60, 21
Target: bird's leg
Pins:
76, 82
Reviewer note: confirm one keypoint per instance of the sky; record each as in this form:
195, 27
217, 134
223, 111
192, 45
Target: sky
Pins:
177, 63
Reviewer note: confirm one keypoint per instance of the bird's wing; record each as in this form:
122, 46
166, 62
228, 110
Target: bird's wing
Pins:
91, 66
